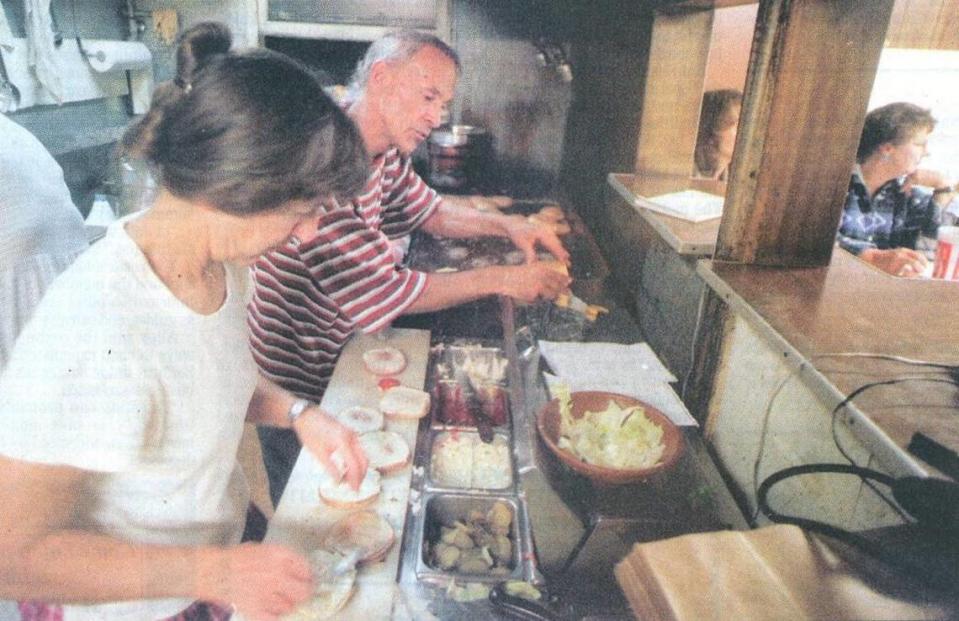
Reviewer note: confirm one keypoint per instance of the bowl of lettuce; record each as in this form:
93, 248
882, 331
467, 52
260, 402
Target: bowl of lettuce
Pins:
607, 437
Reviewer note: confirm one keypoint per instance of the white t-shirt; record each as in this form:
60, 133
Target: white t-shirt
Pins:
116, 376
41, 231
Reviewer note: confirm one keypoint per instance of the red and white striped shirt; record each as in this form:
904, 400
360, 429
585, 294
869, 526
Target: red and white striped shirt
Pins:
310, 297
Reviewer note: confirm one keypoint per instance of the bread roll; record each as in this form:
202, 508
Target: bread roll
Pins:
387, 451
367, 530
341, 496
384, 361
405, 402
361, 419
330, 593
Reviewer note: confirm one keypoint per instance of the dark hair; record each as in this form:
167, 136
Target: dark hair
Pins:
246, 132
896, 123
716, 115
396, 47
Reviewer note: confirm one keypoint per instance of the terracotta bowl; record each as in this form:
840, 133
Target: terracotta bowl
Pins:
548, 424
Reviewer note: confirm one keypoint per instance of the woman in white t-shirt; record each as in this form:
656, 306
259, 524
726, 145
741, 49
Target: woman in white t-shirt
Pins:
122, 406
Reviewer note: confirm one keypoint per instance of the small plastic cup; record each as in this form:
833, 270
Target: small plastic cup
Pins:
946, 265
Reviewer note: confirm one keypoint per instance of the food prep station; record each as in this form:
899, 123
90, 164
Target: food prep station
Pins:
565, 533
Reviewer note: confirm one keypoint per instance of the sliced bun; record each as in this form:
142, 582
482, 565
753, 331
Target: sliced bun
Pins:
361, 419
330, 593
384, 361
367, 530
341, 496
386, 450
405, 402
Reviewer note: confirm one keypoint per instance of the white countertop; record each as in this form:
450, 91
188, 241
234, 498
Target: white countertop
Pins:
301, 519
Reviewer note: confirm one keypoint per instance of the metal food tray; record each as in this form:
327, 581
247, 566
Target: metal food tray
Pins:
437, 486
447, 385
439, 508
431, 502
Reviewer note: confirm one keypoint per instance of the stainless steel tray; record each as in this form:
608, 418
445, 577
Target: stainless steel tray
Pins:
432, 501
435, 483
444, 508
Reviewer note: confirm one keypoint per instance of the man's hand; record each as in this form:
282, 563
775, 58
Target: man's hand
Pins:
261, 581
525, 235
896, 261
325, 437
533, 281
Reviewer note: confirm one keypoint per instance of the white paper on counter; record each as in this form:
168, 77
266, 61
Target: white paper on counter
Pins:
631, 370
599, 362
691, 205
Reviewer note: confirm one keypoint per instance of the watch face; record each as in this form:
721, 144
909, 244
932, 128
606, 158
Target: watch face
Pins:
297, 408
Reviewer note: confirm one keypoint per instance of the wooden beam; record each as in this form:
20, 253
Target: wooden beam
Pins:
810, 75
924, 24
673, 95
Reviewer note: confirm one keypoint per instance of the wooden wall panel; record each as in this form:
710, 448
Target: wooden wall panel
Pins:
811, 71
924, 24
678, 54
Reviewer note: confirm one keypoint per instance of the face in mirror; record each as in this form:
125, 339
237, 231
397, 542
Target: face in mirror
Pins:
716, 138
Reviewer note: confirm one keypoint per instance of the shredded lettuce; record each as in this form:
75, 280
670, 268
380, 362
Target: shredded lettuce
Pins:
564, 399
616, 437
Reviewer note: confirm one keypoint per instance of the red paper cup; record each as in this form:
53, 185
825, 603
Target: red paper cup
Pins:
947, 254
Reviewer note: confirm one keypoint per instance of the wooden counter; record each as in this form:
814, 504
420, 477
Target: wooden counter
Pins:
686, 238
653, 259
849, 306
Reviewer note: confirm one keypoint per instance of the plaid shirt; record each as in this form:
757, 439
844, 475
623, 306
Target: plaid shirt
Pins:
890, 219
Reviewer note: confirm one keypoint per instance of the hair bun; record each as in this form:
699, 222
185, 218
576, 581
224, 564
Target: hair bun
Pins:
198, 44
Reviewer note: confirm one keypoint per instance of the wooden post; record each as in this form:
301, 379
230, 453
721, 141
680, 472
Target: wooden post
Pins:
674, 92
810, 75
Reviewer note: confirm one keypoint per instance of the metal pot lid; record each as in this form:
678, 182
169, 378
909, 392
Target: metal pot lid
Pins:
455, 135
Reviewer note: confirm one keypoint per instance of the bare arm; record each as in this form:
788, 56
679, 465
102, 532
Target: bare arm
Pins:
318, 431
44, 556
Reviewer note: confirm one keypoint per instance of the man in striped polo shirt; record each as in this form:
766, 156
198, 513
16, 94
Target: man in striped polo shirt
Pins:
310, 296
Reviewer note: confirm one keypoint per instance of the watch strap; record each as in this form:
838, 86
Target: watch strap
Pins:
297, 408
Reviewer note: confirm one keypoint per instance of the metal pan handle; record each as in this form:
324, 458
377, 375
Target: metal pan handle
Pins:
519, 608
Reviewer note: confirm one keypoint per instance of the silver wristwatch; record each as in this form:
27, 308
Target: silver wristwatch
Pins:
297, 408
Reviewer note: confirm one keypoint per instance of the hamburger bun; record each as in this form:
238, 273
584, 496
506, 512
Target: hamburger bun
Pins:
361, 419
405, 402
384, 361
342, 496
330, 593
367, 530
386, 450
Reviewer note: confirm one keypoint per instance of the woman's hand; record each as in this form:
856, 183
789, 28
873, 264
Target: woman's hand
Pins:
525, 235
261, 581
336, 446
896, 261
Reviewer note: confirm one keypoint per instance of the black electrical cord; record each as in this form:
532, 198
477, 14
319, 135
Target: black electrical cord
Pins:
917, 493
858, 391
834, 417
942, 368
